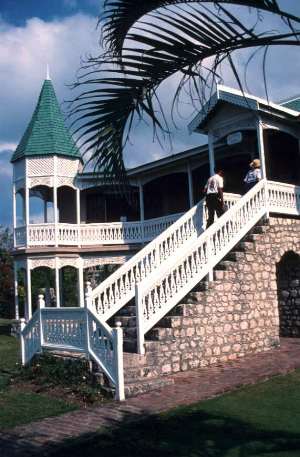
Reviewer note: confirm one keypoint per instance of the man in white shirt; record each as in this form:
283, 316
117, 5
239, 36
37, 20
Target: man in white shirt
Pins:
214, 196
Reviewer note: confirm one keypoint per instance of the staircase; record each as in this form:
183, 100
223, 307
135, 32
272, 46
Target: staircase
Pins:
157, 295
167, 348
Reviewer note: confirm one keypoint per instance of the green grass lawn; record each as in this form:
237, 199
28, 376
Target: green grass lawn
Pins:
261, 420
17, 407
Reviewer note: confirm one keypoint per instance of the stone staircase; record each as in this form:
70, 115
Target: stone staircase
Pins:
213, 323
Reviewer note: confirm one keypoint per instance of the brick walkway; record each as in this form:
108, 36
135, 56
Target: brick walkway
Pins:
189, 387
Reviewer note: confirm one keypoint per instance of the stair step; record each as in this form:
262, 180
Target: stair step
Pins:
234, 256
243, 246
159, 334
135, 388
129, 345
169, 322
260, 229
128, 310
224, 265
194, 298
126, 321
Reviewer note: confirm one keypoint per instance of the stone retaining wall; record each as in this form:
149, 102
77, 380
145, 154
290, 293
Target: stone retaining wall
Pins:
238, 314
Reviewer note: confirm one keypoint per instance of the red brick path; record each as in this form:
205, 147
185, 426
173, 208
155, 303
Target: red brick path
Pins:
189, 387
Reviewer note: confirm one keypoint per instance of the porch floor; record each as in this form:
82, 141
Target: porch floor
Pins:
189, 387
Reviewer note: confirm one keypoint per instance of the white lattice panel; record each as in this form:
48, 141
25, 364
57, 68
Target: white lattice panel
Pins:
104, 260
42, 262
40, 181
66, 167
40, 166
65, 181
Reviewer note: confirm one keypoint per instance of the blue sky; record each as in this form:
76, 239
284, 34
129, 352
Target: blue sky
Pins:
61, 32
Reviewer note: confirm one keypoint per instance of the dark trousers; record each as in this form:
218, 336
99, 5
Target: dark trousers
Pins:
213, 204
249, 185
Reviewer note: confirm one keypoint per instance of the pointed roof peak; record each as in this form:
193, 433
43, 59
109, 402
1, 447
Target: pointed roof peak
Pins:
46, 133
47, 72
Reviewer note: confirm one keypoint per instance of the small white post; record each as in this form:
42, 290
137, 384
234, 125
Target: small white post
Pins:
80, 286
118, 355
261, 148
88, 295
211, 154
139, 320
23, 354
190, 181
57, 284
41, 305
28, 313
16, 290
78, 217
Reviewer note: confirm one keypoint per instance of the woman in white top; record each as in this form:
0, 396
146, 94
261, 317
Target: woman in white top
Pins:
253, 175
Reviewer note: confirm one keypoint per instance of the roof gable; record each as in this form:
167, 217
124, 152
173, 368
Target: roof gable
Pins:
293, 104
46, 133
240, 99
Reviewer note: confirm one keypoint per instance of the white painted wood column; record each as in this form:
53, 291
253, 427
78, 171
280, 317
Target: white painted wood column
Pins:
28, 311
14, 202
261, 148
17, 312
80, 285
45, 212
142, 209
211, 154
78, 216
141, 198
55, 207
27, 209
57, 283
190, 182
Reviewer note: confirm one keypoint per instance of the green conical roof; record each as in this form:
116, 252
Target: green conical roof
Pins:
46, 133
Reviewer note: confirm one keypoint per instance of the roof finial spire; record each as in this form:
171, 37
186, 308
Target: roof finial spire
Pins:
47, 72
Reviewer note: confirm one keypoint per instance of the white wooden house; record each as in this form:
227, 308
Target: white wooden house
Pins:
84, 224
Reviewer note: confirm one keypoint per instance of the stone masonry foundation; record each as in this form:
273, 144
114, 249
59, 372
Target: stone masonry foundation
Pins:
237, 314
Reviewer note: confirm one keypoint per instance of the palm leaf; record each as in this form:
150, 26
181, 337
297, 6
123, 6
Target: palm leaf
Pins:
163, 43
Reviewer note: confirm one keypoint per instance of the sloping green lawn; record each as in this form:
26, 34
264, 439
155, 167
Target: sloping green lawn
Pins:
18, 407
261, 420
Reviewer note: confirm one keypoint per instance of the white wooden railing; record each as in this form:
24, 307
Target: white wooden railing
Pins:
159, 292
113, 293
79, 330
109, 233
49, 234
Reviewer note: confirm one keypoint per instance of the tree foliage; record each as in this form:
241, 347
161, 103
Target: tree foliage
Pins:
6, 274
147, 42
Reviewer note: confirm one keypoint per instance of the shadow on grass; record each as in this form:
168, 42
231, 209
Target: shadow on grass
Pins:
180, 434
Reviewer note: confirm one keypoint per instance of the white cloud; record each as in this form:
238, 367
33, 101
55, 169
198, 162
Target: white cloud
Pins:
24, 53
7, 146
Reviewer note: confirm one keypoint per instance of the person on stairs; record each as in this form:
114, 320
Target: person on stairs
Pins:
253, 175
214, 196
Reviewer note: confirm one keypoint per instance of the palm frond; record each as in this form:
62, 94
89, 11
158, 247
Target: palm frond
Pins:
120, 15
160, 45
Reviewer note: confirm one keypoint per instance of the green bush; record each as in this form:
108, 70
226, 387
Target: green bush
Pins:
73, 374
